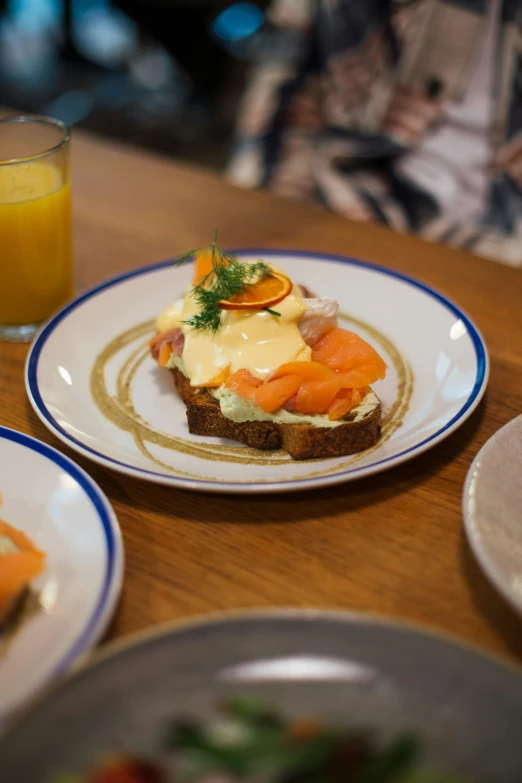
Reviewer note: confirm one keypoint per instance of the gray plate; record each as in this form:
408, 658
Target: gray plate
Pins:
467, 708
492, 506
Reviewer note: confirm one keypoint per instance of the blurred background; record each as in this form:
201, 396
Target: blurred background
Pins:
164, 74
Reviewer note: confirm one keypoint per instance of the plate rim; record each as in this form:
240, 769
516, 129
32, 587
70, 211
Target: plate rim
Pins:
206, 485
110, 591
215, 619
479, 552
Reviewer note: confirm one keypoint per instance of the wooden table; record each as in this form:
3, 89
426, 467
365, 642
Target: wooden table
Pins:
392, 544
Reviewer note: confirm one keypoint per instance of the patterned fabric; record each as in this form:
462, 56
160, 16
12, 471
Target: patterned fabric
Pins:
343, 88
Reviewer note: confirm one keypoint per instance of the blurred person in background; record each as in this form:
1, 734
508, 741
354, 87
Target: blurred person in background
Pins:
408, 112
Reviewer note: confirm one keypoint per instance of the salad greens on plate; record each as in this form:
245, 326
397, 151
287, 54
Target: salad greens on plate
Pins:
255, 744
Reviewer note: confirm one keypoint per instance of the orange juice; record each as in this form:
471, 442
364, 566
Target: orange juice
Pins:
36, 269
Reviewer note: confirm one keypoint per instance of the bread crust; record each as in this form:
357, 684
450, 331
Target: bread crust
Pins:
301, 441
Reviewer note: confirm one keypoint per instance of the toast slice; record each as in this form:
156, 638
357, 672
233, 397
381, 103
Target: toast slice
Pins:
301, 441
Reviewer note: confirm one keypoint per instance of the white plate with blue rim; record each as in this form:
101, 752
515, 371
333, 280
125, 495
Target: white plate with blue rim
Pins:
91, 380
54, 502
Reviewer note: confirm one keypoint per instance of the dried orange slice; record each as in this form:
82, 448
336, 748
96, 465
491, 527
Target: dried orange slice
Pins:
266, 292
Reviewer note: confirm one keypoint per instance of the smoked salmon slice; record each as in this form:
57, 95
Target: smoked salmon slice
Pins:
335, 381
173, 338
306, 371
17, 568
345, 351
345, 401
165, 351
243, 383
203, 266
272, 395
315, 397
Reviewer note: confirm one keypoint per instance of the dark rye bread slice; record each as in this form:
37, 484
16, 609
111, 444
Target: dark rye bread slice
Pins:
301, 441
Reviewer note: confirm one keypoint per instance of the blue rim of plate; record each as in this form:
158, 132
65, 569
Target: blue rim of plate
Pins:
467, 408
114, 560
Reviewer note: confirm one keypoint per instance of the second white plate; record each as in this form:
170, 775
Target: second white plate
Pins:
492, 507
66, 514
90, 379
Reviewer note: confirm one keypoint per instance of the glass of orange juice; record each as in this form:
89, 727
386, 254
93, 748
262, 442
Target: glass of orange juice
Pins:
36, 266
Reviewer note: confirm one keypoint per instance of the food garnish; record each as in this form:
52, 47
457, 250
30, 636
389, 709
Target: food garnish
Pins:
221, 283
267, 291
254, 743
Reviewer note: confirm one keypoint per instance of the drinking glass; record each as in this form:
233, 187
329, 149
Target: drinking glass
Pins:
36, 266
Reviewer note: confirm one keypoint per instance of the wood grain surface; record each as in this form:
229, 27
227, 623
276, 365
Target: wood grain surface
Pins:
392, 544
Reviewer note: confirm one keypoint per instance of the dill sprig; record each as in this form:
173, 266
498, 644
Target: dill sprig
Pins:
227, 278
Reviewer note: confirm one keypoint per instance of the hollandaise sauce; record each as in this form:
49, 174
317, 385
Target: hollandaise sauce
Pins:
255, 340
